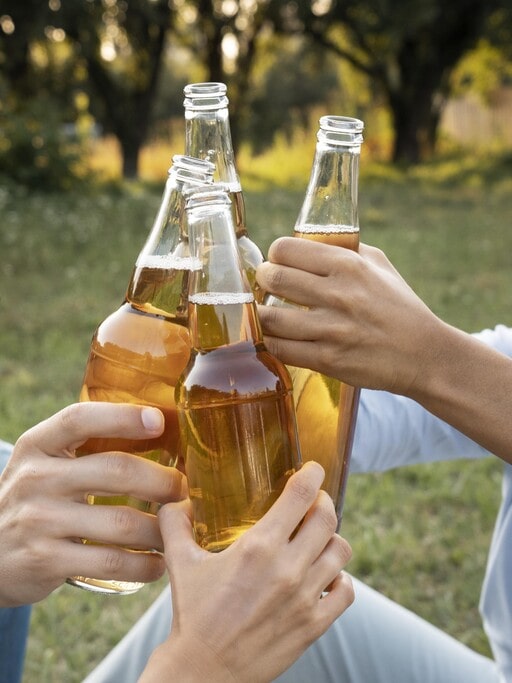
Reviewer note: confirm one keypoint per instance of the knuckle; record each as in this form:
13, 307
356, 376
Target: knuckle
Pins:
125, 521
349, 594
113, 561
268, 316
175, 484
119, 468
290, 581
71, 417
254, 549
337, 554
154, 566
326, 512
275, 277
25, 441
344, 550
275, 347
303, 490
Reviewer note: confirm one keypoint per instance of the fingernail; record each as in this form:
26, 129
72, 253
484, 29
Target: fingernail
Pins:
152, 419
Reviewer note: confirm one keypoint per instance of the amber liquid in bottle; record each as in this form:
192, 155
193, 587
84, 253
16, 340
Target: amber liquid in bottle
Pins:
138, 353
237, 423
136, 356
325, 406
250, 253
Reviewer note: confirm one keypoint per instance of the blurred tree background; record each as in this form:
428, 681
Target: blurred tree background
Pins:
70, 69
92, 91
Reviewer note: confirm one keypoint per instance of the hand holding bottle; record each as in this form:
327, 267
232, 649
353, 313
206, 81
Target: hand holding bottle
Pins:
43, 502
364, 324
247, 613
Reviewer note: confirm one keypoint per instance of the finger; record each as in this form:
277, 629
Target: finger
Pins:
303, 354
122, 474
294, 284
297, 497
111, 524
289, 323
176, 527
70, 427
306, 255
334, 603
317, 528
332, 560
110, 562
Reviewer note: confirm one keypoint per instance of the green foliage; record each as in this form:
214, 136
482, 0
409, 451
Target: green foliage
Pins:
482, 71
35, 148
419, 534
298, 79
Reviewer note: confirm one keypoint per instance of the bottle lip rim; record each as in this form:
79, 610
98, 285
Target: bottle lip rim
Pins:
207, 95
183, 162
346, 124
344, 131
205, 88
205, 199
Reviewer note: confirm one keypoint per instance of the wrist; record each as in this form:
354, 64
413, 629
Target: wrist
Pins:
174, 660
435, 363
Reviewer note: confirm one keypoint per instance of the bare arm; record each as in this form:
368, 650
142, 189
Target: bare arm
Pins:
44, 510
366, 326
247, 613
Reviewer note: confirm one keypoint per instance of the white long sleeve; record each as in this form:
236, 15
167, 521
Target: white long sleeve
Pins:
393, 431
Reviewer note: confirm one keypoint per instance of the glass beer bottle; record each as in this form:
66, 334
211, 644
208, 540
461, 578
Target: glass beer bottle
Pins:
208, 136
140, 350
234, 399
326, 408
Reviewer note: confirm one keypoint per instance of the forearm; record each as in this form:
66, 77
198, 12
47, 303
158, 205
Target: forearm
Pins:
469, 385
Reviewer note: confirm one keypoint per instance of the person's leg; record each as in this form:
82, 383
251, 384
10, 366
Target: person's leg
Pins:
127, 660
14, 621
14, 624
375, 641
378, 641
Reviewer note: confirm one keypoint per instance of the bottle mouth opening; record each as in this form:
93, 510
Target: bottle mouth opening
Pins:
341, 129
200, 96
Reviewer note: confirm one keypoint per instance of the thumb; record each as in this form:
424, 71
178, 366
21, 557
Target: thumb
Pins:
175, 521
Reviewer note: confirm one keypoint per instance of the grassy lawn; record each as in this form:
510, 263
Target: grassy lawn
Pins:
421, 534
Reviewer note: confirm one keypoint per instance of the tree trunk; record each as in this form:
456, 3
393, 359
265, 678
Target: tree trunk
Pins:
130, 152
415, 123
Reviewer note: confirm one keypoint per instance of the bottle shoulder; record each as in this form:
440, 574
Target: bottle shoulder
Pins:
141, 333
242, 369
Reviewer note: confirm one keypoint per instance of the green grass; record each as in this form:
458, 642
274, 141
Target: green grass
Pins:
420, 534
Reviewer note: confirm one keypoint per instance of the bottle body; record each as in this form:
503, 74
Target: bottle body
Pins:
234, 400
326, 408
138, 352
237, 425
208, 136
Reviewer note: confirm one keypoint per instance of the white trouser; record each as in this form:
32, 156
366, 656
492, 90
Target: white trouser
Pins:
375, 641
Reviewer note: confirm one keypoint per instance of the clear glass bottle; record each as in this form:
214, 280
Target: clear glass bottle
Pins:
208, 136
234, 399
139, 351
326, 408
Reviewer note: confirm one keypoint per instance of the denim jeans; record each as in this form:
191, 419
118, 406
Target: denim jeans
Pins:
14, 622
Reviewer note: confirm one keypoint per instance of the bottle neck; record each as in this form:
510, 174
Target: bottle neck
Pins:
160, 277
331, 200
221, 304
208, 136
